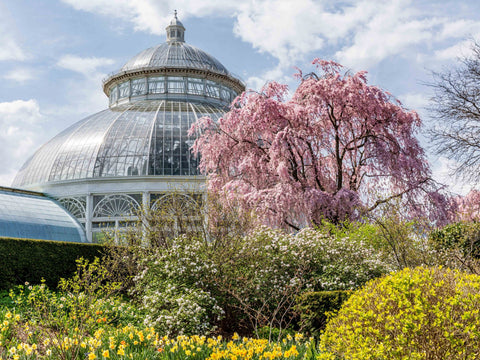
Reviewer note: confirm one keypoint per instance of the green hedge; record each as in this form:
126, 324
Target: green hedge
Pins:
31, 260
313, 306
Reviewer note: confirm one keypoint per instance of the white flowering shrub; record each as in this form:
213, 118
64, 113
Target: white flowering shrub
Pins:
190, 285
344, 258
173, 291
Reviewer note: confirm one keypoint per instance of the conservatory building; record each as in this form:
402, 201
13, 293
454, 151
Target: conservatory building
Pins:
137, 152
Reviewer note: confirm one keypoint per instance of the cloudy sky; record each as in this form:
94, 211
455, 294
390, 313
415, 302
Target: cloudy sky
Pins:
54, 54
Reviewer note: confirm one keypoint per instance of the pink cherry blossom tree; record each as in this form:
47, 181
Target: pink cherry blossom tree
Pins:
338, 149
468, 206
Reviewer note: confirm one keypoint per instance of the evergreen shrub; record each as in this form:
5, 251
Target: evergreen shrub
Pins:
424, 313
31, 260
314, 307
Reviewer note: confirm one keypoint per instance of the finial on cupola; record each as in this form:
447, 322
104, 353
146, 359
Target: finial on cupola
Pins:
176, 30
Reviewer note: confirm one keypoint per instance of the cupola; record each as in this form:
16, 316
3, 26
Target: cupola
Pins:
175, 31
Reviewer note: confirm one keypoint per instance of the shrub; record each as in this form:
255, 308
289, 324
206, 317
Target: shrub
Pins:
404, 243
253, 279
425, 313
31, 260
464, 236
173, 288
457, 246
345, 256
314, 307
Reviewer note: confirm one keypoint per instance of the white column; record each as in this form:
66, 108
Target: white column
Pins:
88, 217
146, 200
145, 207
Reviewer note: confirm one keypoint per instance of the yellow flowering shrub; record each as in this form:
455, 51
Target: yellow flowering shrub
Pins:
422, 313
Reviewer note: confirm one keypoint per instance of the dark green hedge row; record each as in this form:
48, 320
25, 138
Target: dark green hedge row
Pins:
313, 306
31, 260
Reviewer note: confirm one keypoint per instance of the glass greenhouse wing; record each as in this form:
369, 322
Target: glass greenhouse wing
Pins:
28, 216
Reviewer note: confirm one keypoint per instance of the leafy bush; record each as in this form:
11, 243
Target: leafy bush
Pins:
172, 288
314, 307
464, 236
403, 243
424, 313
457, 246
251, 281
346, 256
31, 260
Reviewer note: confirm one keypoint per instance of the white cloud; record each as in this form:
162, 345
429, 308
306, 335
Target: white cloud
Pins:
9, 111
364, 32
20, 75
269, 25
88, 66
87, 93
9, 47
21, 134
459, 29
275, 74
153, 15
459, 50
390, 30
276, 27
414, 101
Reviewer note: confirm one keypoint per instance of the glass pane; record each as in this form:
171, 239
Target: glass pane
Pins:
176, 85
196, 86
113, 95
156, 85
139, 86
212, 89
124, 89
124, 151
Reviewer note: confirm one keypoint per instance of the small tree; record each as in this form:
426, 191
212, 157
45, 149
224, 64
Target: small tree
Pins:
321, 155
456, 108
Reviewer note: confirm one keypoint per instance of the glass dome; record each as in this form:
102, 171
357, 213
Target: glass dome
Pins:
175, 55
137, 152
141, 138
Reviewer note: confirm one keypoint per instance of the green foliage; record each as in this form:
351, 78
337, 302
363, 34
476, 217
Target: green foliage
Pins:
347, 254
457, 246
173, 288
424, 313
402, 242
122, 263
314, 308
250, 281
5, 300
461, 235
32, 260
86, 303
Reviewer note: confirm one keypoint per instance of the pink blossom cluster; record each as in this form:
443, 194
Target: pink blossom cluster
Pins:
468, 206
